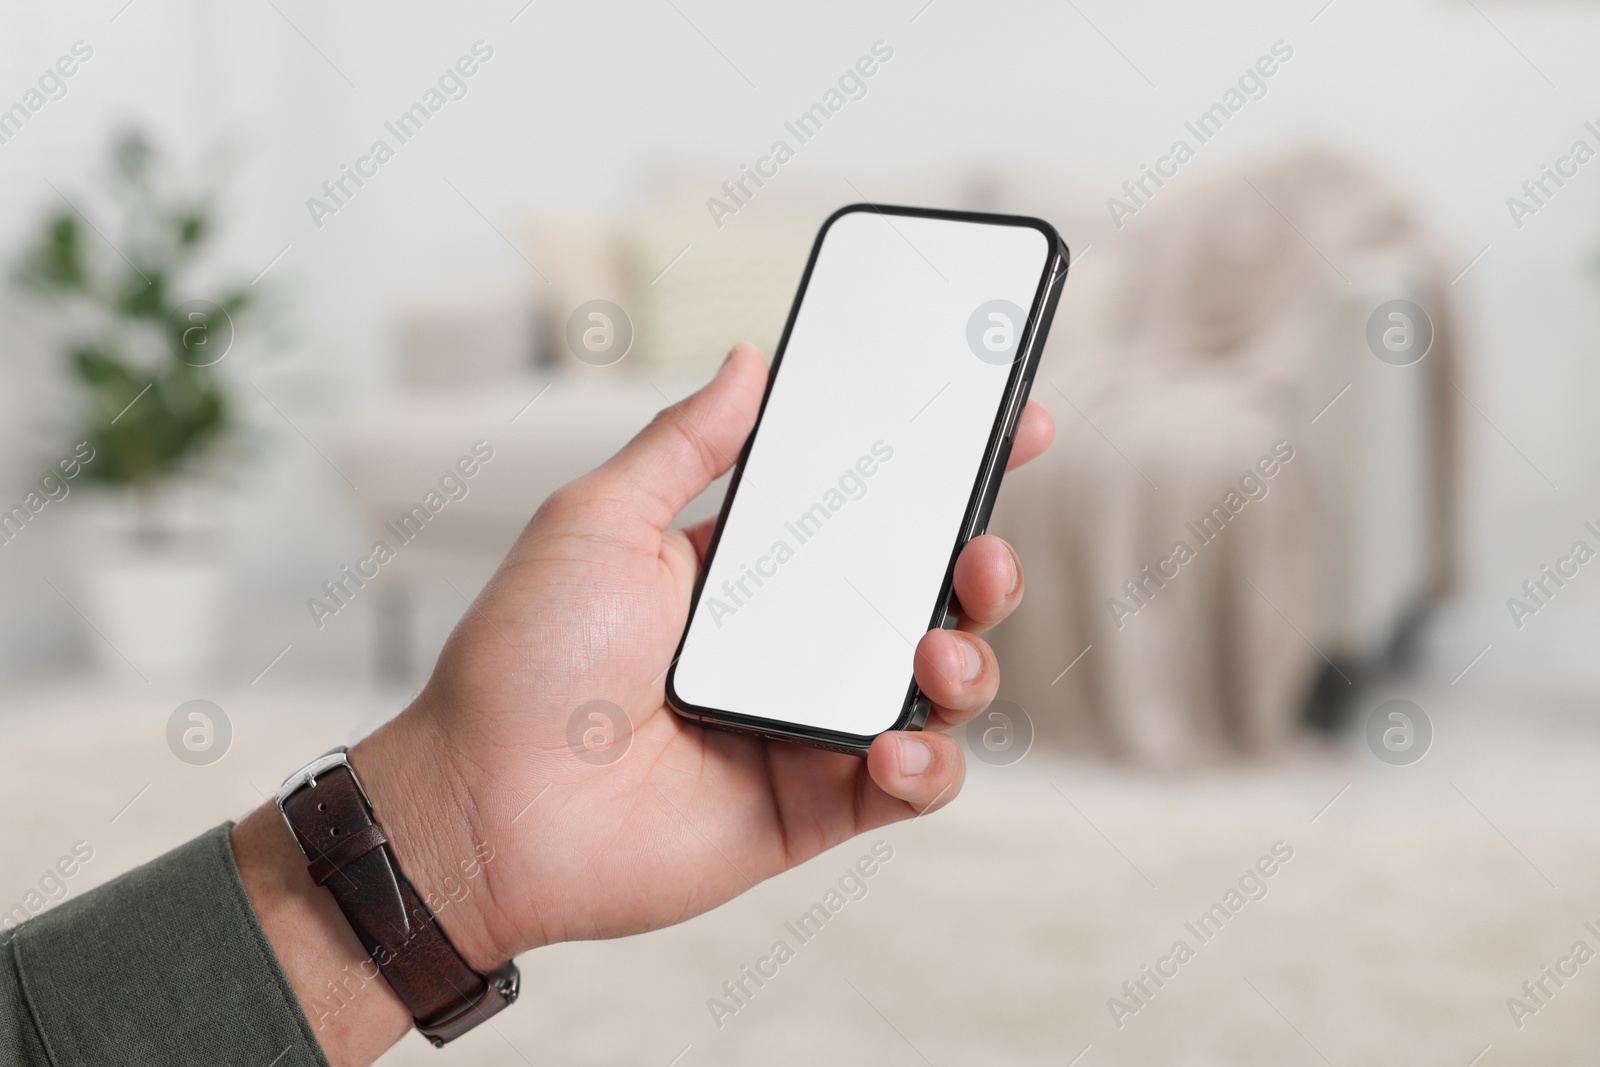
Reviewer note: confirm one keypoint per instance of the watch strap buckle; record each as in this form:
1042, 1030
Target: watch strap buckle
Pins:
500, 992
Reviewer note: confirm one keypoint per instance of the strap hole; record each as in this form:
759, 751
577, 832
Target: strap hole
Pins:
322, 807
334, 831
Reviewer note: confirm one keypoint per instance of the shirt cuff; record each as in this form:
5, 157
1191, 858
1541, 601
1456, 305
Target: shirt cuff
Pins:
165, 965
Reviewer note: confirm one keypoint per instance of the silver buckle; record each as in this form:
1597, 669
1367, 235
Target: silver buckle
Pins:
306, 777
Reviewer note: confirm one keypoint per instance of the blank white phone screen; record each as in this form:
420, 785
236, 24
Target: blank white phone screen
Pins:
835, 548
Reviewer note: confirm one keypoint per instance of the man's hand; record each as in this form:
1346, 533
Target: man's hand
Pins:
589, 606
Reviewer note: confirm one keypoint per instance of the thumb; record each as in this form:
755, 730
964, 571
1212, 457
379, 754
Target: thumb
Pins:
690, 444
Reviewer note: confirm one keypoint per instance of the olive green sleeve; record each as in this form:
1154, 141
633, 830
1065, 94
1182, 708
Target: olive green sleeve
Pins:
166, 965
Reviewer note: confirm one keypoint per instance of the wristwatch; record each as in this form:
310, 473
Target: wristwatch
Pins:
332, 820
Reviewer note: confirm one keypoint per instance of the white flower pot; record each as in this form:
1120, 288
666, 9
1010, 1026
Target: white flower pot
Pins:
158, 612
156, 600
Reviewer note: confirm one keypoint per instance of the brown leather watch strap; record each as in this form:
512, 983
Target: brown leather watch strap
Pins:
346, 851
350, 856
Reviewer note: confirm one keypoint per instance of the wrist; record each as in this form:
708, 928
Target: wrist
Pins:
426, 814
429, 815
352, 1011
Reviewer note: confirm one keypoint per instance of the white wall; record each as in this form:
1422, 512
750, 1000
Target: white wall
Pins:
583, 105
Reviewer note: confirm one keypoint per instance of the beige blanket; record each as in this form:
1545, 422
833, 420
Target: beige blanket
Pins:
1173, 537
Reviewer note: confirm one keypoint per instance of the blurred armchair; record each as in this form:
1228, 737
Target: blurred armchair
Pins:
1227, 325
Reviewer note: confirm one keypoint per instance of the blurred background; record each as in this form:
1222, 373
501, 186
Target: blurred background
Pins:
269, 271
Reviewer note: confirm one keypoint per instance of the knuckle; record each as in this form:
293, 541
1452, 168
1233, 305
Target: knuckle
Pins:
679, 422
564, 499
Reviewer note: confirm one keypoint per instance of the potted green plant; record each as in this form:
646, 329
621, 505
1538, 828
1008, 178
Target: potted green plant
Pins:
144, 349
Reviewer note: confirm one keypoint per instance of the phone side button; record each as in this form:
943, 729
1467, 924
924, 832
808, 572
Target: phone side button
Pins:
1016, 410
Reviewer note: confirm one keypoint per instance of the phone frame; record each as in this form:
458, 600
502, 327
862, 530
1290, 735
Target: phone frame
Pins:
980, 504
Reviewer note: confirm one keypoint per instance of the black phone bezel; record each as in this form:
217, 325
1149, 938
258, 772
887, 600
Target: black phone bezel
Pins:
914, 710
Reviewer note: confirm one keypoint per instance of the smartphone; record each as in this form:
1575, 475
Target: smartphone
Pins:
888, 418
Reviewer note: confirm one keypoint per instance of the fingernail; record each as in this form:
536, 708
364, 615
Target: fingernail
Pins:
971, 660
1016, 573
915, 755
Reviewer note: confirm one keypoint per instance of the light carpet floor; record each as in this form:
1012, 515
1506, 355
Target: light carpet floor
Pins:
1002, 926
